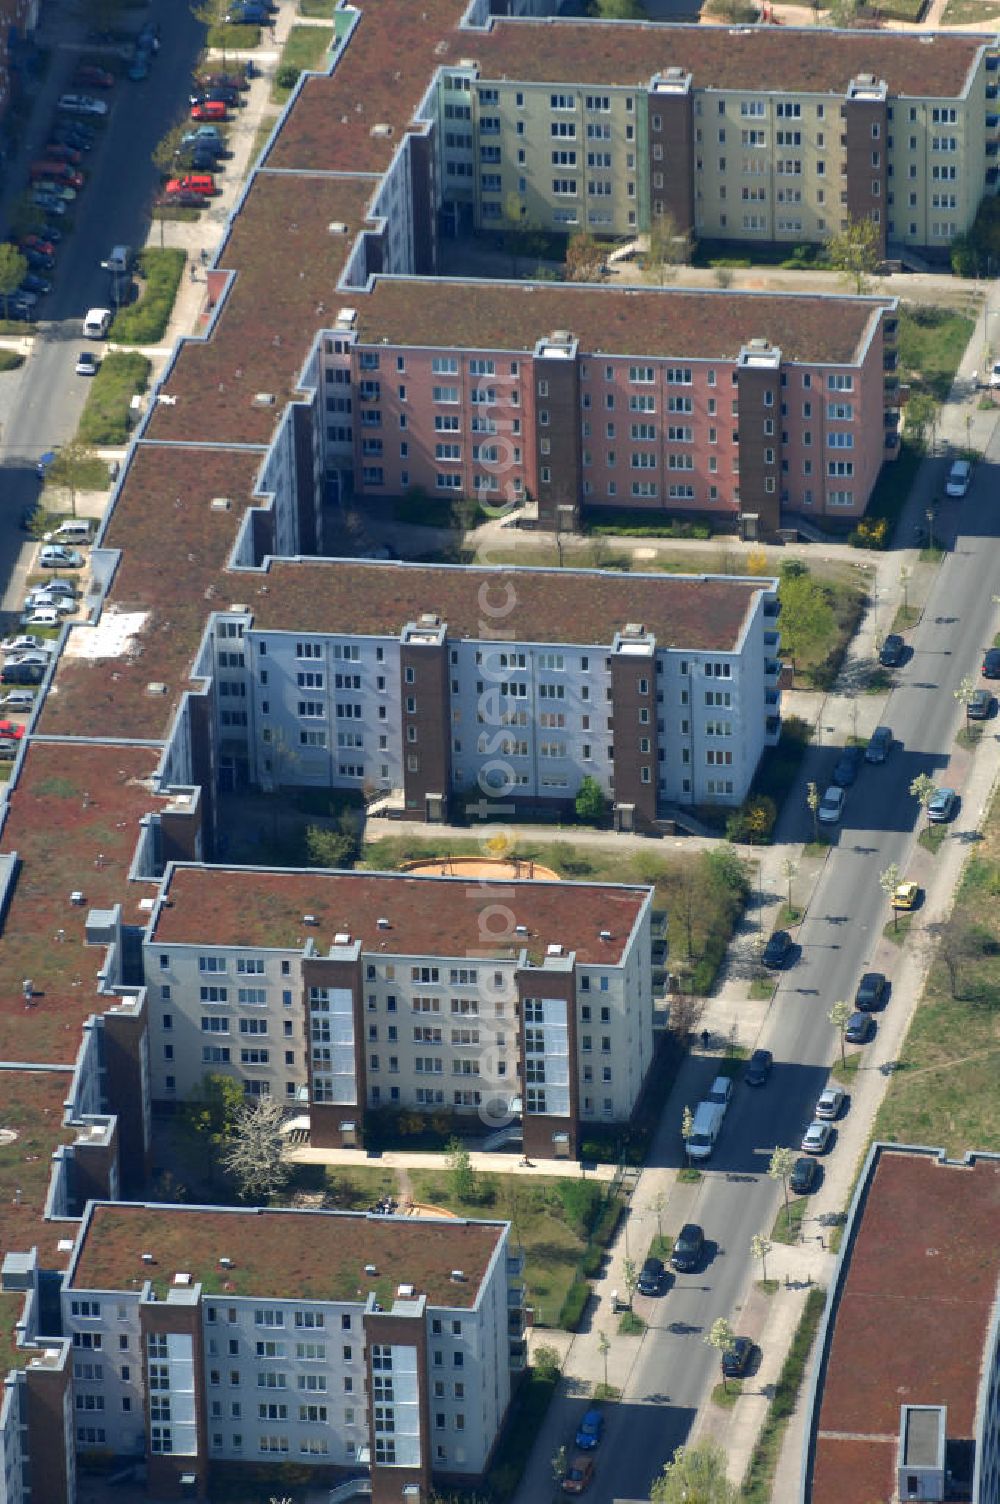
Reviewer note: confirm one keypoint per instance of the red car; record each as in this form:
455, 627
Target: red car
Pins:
36, 243
201, 183
94, 78
56, 172
11, 728
209, 109
56, 152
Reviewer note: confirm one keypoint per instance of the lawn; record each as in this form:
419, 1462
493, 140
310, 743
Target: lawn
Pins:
92, 475
702, 892
550, 1219
943, 1091
232, 38
264, 128
305, 48
931, 343
759, 1476
10, 360
788, 1226
322, 8
105, 417
962, 12
145, 322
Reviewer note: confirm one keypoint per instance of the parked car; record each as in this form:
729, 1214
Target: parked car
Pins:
92, 77
816, 1138
736, 1359
230, 97
25, 642
11, 730
860, 1028
56, 151
871, 991
225, 80
198, 159
959, 477
40, 261
688, 1248
55, 556
138, 68
22, 673
40, 616
942, 805
720, 1092
8, 749
578, 1476
848, 763
991, 663
58, 586
803, 1176
74, 133
55, 172
980, 707
590, 1430
21, 701
201, 183
831, 1100
51, 199
650, 1277
892, 651
880, 744
905, 895
758, 1067
33, 283
87, 363
211, 109
204, 134
185, 200
831, 806
81, 104
42, 600
778, 951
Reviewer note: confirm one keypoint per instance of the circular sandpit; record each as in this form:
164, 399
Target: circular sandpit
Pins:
494, 869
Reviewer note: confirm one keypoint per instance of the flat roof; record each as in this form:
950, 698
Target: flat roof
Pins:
283, 1255
286, 264
379, 80
913, 1307
170, 577
698, 324
427, 915
73, 820
750, 59
923, 1435
359, 597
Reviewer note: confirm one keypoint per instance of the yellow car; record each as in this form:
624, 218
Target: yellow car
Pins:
905, 896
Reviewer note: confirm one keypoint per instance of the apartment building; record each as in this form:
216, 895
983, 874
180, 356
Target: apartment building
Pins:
438, 685
17, 17
756, 135
334, 1340
736, 406
349, 992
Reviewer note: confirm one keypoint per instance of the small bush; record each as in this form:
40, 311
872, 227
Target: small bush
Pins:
753, 821
287, 75
106, 417
145, 322
10, 360
574, 1305
581, 1202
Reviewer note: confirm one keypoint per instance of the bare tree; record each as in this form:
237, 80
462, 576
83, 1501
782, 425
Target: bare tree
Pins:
722, 1337
253, 1154
888, 881
781, 1166
839, 1015
686, 1013
760, 1247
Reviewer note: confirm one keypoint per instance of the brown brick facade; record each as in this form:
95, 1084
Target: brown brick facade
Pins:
326, 1118
539, 1129
633, 708
557, 440
759, 395
426, 725
125, 1040
50, 1426
166, 1470
387, 1329
671, 158
866, 146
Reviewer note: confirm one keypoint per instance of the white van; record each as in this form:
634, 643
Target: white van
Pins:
120, 259
97, 323
75, 530
705, 1129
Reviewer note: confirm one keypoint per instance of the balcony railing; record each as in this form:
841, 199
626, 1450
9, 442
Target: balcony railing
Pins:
772, 667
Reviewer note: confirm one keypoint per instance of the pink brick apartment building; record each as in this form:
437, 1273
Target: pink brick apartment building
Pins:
709, 403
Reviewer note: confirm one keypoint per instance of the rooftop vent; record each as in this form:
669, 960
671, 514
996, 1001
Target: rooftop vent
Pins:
336, 227
239, 606
76, 898
156, 688
341, 938
225, 1263
264, 399
147, 1258
221, 504
759, 343
383, 923
458, 1276
383, 130
371, 1268
346, 318
406, 1292
561, 334
182, 1280
429, 619
605, 934
308, 918
520, 929
147, 905
65, 1245
633, 629
554, 949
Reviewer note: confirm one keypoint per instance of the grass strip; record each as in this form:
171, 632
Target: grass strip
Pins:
759, 1476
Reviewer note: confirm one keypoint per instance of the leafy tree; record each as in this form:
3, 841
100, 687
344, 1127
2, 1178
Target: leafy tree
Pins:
13, 269
547, 1362
695, 1475
888, 881
337, 847
463, 1182
584, 257
559, 1463
604, 1347
630, 1276
839, 1015
808, 622
590, 801
722, 1337
923, 788
855, 251
667, 246
211, 1112
71, 469
789, 867
965, 693
921, 415
687, 1128
616, 10
254, 1152
760, 1247
812, 799
781, 1164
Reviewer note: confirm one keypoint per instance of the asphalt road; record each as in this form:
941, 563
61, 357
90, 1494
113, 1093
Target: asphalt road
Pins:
837, 939
113, 208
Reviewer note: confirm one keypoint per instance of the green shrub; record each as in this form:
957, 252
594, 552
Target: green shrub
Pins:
145, 322
574, 1305
581, 1201
590, 1264
106, 416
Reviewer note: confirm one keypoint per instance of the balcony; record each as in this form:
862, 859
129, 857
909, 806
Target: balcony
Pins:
772, 730
772, 607
515, 1264
772, 668
771, 641
890, 360
658, 926
518, 1354
891, 440
891, 391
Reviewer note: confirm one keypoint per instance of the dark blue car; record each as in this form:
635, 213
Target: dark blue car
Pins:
590, 1431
